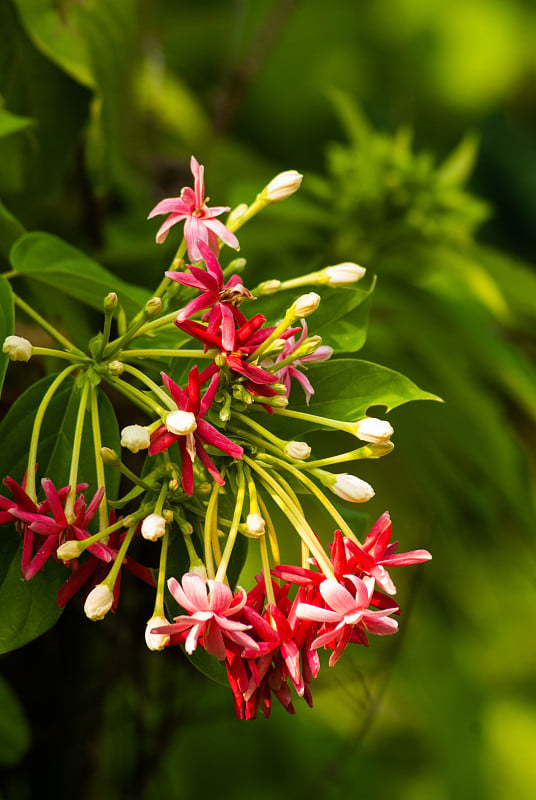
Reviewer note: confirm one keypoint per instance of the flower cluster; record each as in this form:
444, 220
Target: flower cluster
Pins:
215, 469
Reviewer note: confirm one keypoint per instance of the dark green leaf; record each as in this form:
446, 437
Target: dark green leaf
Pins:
48, 259
12, 123
346, 388
10, 230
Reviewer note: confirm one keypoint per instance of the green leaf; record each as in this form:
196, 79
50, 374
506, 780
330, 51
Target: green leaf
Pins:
29, 607
347, 388
7, 323
48, 259
14, 728
341, 318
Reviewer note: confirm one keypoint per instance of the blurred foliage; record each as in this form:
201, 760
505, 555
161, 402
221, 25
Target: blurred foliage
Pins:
101, 105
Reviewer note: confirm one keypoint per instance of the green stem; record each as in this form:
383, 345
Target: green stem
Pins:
287, 320
138, 398
266, 434
49, 351
99, 464
59, 337
319, 494
349, 427
210, 522
231, 538
43, 405
298, 521
75, 458
161, 584
154, 388
175, 353
351, 455
271, 531
111, 578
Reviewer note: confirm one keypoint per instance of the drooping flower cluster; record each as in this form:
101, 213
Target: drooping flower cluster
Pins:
216, 470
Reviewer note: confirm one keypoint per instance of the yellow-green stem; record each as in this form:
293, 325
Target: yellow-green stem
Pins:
161, 583
231, 538
210, 522
59, 337
75, 457
99, 464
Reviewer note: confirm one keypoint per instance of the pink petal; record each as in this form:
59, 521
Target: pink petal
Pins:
171, 205
223, 233
163, 230
220, 596
210, 435
339, 599
413, 557
309, 611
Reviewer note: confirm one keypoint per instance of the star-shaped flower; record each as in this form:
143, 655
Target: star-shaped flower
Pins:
200, 223
190, 430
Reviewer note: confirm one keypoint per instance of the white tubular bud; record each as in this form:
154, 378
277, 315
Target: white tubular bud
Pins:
299, 451
255, 526
374, 430
199, 569
350, 487
268, 287
17, 348
135, 438
69, 550
305, 305
236, 214
156, 641
153, 527
282, 186
181, 422
343, 274
98, 602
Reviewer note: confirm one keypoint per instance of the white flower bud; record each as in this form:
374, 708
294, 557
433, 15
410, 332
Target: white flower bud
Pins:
268, 287
236, 214
299, 451
282, 186
98, 602
343, 274
135, 438
305, 305
255, 525
156, 641
375, 430
17, 348
153, 527
181, 422
352, 488
69, 550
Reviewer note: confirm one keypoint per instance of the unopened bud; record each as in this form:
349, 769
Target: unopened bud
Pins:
299, 451
109, 456
371, 429
153, 527
343, 274
305, 305
282, 186
69, 550
236, 214
309, 346
153, 306
116, 368
156, 641
276, 347
17, 348
98, 602
110, 301
199, 569
255, 526
351, 488
268, 287
181, 422
135, 438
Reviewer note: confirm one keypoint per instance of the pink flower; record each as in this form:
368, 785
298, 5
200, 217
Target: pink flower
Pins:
200, 220
222, 298
322, 353
347, 618
195, 431
209, 618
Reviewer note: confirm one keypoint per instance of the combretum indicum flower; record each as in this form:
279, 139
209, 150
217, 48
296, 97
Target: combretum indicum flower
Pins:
215, 452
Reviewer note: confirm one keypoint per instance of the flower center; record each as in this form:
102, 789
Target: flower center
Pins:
181, 422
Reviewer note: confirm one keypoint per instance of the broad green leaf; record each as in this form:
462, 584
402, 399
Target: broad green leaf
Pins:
340, 319
48, 259
347, 388
29, 607
6, 323
14, 729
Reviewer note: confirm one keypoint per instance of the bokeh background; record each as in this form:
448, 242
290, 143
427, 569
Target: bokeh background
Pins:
414, 124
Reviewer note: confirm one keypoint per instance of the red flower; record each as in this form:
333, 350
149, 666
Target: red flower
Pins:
190, 430
222, 298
